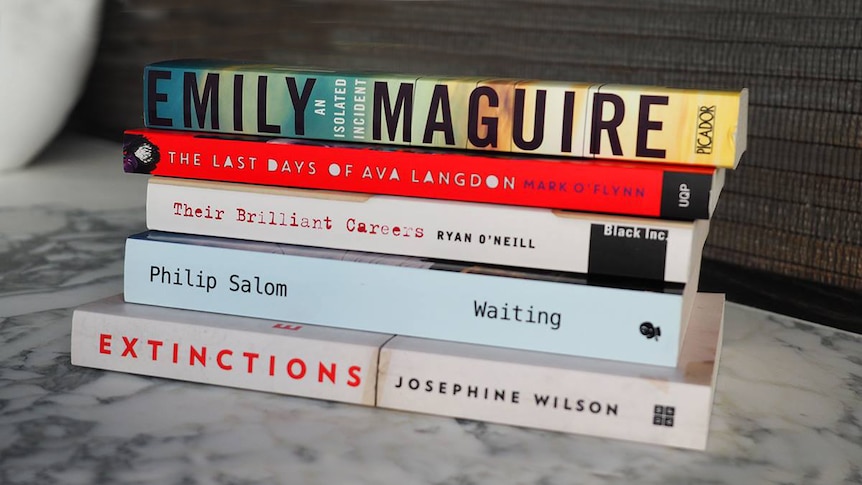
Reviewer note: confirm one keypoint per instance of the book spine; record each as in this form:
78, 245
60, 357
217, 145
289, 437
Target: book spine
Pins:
584, 402
648, 190
275, 360
537, 390
414, 299
646, 124
482, 233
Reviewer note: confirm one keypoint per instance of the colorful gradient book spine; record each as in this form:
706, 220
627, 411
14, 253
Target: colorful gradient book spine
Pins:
648, 124
526, 237
532, 310
649, 190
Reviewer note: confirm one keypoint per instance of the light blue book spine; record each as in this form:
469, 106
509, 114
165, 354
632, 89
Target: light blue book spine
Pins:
401, 295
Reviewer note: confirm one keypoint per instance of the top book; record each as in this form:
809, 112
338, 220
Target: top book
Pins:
638, 123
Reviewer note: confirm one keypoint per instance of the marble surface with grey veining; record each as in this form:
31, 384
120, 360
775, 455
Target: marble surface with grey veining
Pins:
788, 406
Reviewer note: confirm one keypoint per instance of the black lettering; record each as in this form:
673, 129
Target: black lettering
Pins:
479, 310
154, 97
705, 126
568, 122
262, 125
191, 96
645, 125
237, 102
382, 106
490, 139
300, 101
538, 121
439, 102
610, 126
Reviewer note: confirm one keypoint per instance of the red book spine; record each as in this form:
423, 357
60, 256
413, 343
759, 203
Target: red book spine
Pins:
649, 190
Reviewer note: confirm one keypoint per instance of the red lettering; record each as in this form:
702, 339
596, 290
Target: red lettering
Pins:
355, 377
220, 359
286, 326
330, 373
302, 368
200, 356
105, 343
373, 228
155, 344
251, 356
130, 347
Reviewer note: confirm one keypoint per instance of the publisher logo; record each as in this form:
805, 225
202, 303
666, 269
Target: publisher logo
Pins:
663, 415
650, 331
685, 195
705, 130
637, 252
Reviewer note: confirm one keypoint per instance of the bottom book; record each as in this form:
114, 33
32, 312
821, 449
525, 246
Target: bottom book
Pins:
636, 402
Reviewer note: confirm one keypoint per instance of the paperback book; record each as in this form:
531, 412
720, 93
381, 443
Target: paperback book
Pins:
650, 190
649, 404
648, 124
263, 355
668, 406
526, 237
566, 313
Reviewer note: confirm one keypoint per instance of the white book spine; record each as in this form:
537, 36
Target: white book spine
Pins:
474, 232
260, 355
571, 401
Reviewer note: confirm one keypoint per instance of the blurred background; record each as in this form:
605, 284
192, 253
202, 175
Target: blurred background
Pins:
787, 234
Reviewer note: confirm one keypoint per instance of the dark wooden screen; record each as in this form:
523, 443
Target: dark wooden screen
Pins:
793, 208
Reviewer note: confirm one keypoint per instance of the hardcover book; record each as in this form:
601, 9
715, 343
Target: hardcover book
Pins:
638, 189
657, 405
649, 124
668, 406
528, 309
263, 355
481, 233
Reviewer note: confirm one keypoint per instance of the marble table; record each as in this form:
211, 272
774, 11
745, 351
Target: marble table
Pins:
788, 407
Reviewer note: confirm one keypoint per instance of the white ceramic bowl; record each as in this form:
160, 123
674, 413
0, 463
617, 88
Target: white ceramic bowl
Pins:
46, 51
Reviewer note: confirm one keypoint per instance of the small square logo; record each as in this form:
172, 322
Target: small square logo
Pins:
663, 415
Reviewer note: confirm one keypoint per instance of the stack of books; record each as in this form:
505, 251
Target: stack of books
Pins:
518, 252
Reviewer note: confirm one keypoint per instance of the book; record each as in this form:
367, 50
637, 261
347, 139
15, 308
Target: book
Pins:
527, 309
648, 404
638, 189
481, 233
263, 355
648, 124
658, 405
